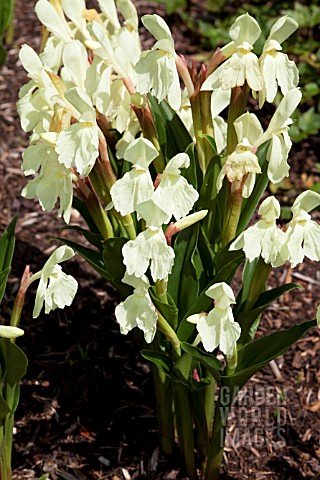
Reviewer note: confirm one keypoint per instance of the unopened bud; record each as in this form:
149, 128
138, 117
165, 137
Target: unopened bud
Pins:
138, 100
189, 220
10, 332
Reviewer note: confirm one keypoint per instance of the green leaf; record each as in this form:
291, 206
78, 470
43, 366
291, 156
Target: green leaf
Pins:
80, 206
94, 238
181, 370
7, 243
4, 409
247, 319
16, 361
255, 355
161, 360
212, 223
206, 254
210, 362
249, 205
226, 265
113, 261
93, 257
177, 136
168, 310
183, 284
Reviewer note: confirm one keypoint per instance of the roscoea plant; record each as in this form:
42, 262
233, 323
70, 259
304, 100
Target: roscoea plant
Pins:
167, 189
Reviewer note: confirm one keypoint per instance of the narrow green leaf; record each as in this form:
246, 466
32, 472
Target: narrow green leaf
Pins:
255, 355
182, 369
93, 257
226, 264
168, 310
206, 359
80, 206
94, 238
16, 361
4, 409
7, 243
247, 319
208, 200
113, 262
183, 284
161, 360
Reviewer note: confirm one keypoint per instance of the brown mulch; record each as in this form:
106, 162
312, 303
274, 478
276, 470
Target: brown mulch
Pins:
87, 401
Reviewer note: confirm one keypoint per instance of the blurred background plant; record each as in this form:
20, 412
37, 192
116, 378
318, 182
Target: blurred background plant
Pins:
6, 26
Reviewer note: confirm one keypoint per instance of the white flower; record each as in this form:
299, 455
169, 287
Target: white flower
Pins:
156, 70
98, 84
150, 246
10, 332
75, 61
218, 328
55, 289
35, 106
54, 181
135, 186
112, 52
174, 194
78, 145
242, 66
242, 165
137, 310
277, 132
303, 234
263, 238
275, 66
54, 21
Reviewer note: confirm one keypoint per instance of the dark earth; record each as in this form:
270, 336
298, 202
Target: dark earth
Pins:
87, 401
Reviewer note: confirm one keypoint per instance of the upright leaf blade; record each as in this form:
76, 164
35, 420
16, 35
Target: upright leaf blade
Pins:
7, 243
255, 355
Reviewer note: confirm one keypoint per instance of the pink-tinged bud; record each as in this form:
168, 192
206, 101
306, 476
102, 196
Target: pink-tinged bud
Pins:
216, 59
157, 181
195, 375
171, 230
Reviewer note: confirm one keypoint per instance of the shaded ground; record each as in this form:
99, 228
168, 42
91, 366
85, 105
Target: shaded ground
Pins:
87, 400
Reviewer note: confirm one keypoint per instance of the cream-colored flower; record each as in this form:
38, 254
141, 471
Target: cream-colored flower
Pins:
78, 145
302, 237
218, 328
242, 165
275, 66
277, 133
137, 310
264, 238
174, 194
243, 65
156, 70
55, 289
150, 246
136, 186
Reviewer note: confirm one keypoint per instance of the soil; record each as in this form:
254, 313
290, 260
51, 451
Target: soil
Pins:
87, 400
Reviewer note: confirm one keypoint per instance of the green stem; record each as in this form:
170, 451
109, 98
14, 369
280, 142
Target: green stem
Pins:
232, 215
161, 287
169, 333
164, 402
257, 286
215, 455
197, 125
185, 428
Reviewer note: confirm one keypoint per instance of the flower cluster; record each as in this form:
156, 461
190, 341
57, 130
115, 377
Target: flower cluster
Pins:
91, 85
